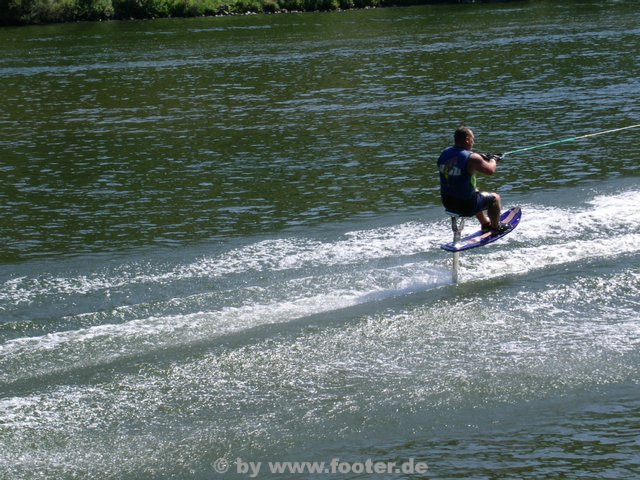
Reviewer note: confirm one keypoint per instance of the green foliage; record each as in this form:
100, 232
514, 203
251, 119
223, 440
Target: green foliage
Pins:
133, 8
41, 11
245, 6
93, 9
7, 12
20, 12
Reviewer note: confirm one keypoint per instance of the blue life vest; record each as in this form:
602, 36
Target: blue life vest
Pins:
455, 180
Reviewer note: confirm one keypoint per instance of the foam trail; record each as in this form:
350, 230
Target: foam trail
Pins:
296, 298
268, 255
607, 227
279, 281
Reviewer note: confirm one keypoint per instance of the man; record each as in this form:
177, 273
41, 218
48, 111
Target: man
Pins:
458, 166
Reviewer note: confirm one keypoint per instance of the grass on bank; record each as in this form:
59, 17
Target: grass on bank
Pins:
24, 12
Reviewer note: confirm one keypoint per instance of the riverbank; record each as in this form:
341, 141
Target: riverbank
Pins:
30, 12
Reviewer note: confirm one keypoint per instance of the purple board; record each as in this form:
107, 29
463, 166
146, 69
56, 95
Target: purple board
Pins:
478, 239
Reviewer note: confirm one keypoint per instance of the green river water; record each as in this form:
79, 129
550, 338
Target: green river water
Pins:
219, 245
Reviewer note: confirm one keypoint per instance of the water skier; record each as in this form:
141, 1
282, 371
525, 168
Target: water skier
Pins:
458, 166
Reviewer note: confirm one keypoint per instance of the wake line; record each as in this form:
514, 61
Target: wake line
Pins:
301, 253
297, 298
270, 255
65, 351
530, 259
552, 236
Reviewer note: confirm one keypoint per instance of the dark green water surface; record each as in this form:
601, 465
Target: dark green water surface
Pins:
135, 133
219, 244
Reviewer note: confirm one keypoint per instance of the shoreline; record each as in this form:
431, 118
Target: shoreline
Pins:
45, 12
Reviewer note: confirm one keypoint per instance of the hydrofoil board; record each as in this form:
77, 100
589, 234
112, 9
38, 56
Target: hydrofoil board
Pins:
478, 239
